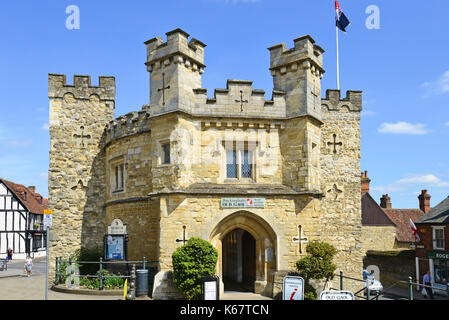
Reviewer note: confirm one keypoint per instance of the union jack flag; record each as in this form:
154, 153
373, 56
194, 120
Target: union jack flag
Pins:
341, 20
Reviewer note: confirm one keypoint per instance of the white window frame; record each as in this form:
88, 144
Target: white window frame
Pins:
434, 240
239, 147
116, 183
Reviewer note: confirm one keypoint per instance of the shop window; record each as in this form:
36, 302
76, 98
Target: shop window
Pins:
441, 271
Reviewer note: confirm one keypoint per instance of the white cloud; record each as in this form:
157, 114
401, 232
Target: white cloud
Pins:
45, 127
43, 176
429, 179
402, 128
439, 86
18, 143
367, 113
447, 123
413, 181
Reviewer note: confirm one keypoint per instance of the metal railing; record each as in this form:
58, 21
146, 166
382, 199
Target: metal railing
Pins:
102, 263
369, 295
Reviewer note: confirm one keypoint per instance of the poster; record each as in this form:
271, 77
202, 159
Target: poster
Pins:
115, 247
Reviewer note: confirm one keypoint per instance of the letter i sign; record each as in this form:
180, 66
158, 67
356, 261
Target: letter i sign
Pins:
293, 294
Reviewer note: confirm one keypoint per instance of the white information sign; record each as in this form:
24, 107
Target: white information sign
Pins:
210, 290
336, 295
48, 220
293, 288
117, 227
243, 202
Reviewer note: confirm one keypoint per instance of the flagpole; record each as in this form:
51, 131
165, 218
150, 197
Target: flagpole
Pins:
338, 66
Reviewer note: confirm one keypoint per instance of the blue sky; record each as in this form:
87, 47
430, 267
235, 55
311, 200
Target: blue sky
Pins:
403, 69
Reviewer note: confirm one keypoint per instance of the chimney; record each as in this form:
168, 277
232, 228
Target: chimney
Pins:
424, 201
385, 202
32, 188
365, 182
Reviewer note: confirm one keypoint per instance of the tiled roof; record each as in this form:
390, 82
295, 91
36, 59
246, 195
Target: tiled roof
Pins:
372, 214
31, 204
401, 218
438, 214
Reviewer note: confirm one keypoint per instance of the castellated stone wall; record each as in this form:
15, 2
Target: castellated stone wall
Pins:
341, 222
78, 116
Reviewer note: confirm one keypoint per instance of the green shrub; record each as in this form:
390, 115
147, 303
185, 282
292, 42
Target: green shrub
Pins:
108, 283
191, 262
316, 265
88, 254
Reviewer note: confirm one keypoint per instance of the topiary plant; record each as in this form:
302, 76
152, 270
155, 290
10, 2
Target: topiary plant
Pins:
191, 262
316, 265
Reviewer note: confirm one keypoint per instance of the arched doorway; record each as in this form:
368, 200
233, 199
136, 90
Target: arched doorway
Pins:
257, 239
239, 261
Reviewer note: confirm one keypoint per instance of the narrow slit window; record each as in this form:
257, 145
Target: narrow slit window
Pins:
166, 153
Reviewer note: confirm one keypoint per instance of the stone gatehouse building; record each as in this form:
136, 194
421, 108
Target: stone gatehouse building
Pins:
257, 178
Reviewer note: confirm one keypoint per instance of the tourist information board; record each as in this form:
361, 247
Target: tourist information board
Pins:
293, 288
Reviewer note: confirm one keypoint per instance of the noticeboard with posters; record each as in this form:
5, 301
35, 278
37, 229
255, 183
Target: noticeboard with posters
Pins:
116, 242
115, 247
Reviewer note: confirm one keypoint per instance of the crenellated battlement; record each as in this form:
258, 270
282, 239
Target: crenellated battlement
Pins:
81, 88
129, 124
176, 50
239, 99
305, 54
334, 102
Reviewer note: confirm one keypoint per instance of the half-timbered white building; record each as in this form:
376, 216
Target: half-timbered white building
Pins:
21, 214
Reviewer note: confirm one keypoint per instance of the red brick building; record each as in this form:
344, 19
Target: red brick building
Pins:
432, 252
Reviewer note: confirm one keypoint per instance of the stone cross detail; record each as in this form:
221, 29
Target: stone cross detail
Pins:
334, 192
241, 100
299, 239
184, 240
335, 143
80, 137
163, 89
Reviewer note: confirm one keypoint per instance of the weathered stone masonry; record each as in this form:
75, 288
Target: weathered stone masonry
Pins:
305, 149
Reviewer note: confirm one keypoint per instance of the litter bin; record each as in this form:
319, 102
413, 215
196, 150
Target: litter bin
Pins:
141, 282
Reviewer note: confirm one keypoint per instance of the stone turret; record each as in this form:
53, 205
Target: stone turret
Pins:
79, 114
175, 69
298, 72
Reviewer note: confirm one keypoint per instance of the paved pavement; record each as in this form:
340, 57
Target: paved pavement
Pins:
403, 294
15, 285
236, 295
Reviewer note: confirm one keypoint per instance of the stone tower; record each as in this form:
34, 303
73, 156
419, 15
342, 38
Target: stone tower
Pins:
79, 114
297, 72
175, 69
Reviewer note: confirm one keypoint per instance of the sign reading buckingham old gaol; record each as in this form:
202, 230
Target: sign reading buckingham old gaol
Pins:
243, 202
